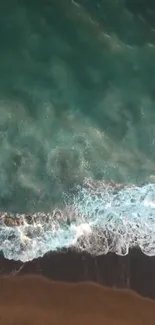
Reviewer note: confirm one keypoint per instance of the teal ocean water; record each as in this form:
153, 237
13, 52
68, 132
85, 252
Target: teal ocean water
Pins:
77, 99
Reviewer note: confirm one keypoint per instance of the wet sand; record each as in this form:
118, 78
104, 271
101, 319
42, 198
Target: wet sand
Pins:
134, 271
37, 300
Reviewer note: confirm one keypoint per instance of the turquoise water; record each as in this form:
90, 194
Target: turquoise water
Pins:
77, 95
77, 101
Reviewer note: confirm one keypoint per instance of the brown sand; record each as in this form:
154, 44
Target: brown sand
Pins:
34, 300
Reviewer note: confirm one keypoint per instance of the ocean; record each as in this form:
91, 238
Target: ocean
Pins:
77, 97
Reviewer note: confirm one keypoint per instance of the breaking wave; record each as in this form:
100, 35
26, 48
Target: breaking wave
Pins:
102, 218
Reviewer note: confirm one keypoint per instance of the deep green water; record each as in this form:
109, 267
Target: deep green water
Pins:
77, 97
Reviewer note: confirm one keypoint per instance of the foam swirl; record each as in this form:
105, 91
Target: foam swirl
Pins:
102, 218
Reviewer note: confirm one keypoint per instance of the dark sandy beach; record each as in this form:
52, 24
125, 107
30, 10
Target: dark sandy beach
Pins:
134, 271
36, 300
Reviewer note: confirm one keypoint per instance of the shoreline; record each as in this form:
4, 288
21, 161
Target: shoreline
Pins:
134, 271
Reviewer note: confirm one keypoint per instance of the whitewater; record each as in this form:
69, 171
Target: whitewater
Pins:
100, 218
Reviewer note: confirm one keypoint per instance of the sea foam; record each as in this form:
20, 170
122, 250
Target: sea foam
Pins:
100, 219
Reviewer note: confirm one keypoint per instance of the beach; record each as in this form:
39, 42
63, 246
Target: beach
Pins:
36, 300
134, 271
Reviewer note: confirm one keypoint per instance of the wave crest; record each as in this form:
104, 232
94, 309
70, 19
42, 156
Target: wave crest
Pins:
102, 218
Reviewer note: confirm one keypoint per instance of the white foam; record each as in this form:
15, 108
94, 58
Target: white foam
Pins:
107, 220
